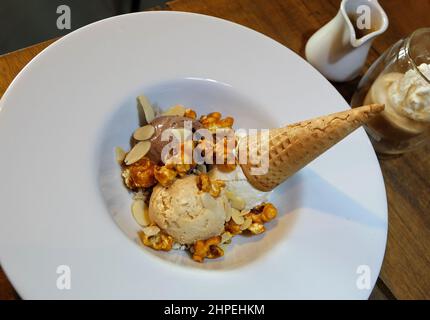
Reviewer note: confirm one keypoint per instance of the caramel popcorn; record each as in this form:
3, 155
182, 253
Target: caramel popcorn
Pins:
207, 249
252, 221
182, 163
159, 241
224, 156
264, 213
139, 174
213, 187
176, 166
183, 169
190, 113
253, 227
165, 175
225, 123
214, 120
256, 228
233, 227
226, 167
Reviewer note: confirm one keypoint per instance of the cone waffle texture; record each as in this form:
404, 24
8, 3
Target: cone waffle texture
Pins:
293, 147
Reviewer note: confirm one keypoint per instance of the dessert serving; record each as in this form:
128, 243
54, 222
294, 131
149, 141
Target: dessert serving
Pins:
197, 182
400, 79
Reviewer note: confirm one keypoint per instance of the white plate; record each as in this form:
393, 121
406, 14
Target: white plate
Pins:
62, 116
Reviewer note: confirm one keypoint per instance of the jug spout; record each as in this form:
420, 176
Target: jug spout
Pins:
365, 19
340, 48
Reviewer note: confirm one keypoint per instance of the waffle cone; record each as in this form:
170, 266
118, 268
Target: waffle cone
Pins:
293, 147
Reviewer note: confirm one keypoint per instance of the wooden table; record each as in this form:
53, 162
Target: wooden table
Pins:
406, 269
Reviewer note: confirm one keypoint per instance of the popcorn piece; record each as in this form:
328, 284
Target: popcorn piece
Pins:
159, 241
233, 227
225, 167
139, 174
190, 113
165, 175
207, 249
224, 155
264, 213
213, 187
256, 228
214, 120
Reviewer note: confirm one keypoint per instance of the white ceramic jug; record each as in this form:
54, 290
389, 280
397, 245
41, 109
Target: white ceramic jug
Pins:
340, 48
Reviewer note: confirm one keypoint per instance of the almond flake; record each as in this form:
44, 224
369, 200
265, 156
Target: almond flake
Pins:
246, 224
226, 237
236, 202
244, 212
120, 155
227, 209
147, 108
144, 133
151, 231
140, 213
237, 218
138, 152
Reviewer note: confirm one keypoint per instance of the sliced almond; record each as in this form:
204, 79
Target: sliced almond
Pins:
120, 155
138, 152
228, 215
246, 224
177, 110
227, 209
236, 202
140, 213
244, 212
144, 133
226, 237
147, 108
151, 231
237, 218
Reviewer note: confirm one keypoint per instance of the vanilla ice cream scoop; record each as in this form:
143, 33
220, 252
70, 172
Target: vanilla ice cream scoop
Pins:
186, 213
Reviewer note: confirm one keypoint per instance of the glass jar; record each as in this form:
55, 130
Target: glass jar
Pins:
400, 79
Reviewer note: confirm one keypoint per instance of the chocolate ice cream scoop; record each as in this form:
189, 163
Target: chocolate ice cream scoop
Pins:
163, 123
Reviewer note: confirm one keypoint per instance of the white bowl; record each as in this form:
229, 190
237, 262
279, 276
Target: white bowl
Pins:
61, 190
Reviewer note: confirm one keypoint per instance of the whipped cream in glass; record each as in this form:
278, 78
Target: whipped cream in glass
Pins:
406, 98
400, 79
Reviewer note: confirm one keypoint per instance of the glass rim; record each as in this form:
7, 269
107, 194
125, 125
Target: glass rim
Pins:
411, 59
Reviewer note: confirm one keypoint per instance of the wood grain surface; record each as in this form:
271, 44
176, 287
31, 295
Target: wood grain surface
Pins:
406, 269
